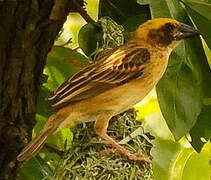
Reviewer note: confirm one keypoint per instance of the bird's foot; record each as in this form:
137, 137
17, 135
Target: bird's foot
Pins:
127, 154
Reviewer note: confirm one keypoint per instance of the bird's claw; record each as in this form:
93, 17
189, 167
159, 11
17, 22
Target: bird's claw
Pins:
126, 153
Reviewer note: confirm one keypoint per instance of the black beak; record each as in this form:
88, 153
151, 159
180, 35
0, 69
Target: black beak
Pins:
186, 31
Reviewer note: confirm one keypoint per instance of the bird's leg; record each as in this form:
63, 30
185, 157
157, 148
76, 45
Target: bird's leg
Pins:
100, 127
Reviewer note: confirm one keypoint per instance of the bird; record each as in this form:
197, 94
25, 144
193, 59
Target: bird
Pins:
113, 83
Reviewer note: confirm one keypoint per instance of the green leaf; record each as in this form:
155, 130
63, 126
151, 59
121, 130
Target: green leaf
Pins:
184, 86
61, 64
200, 13
35, 169
203, 8
42, 103
123, 11
62, 139
156, 125
41, 120
164, 152
175, 162
207, 52
202, 129
88, 37
197, 165
132, 23
92, 8
180, 89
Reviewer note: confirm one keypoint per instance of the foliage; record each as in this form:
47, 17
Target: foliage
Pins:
180, 163
172, 160
186, 79
200, 13
184, 98
36, 168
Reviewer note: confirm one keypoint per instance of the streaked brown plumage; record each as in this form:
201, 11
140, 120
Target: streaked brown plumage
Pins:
113, 83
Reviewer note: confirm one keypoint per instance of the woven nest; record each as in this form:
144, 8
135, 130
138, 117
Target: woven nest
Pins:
86, 161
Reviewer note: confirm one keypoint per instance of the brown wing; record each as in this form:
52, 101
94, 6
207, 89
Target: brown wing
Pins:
116, 68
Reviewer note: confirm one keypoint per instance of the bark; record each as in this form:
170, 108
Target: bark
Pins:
27, 32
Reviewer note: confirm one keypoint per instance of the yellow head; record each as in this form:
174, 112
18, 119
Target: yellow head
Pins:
164, 32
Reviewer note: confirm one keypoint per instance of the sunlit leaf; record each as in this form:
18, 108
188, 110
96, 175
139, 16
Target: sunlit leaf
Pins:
156, 125
148, 112
200, 12
164, 153
175, 162
197, 166
59, 139
207, 52
148, 108
70, 30
92, 8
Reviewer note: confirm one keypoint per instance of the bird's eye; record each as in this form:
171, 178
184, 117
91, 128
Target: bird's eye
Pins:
169, 26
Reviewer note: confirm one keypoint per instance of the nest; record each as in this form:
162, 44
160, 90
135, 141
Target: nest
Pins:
85, 160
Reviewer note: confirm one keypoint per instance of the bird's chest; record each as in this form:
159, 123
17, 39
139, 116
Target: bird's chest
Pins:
127, 95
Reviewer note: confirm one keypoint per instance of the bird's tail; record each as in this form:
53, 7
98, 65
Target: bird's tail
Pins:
35, 145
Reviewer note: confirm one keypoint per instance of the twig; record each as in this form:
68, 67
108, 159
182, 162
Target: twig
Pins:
82, 12
76, 49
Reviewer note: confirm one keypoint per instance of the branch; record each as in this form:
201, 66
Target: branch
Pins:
82, 12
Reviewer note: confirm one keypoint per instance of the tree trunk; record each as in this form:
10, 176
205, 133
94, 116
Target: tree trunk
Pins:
27, 32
